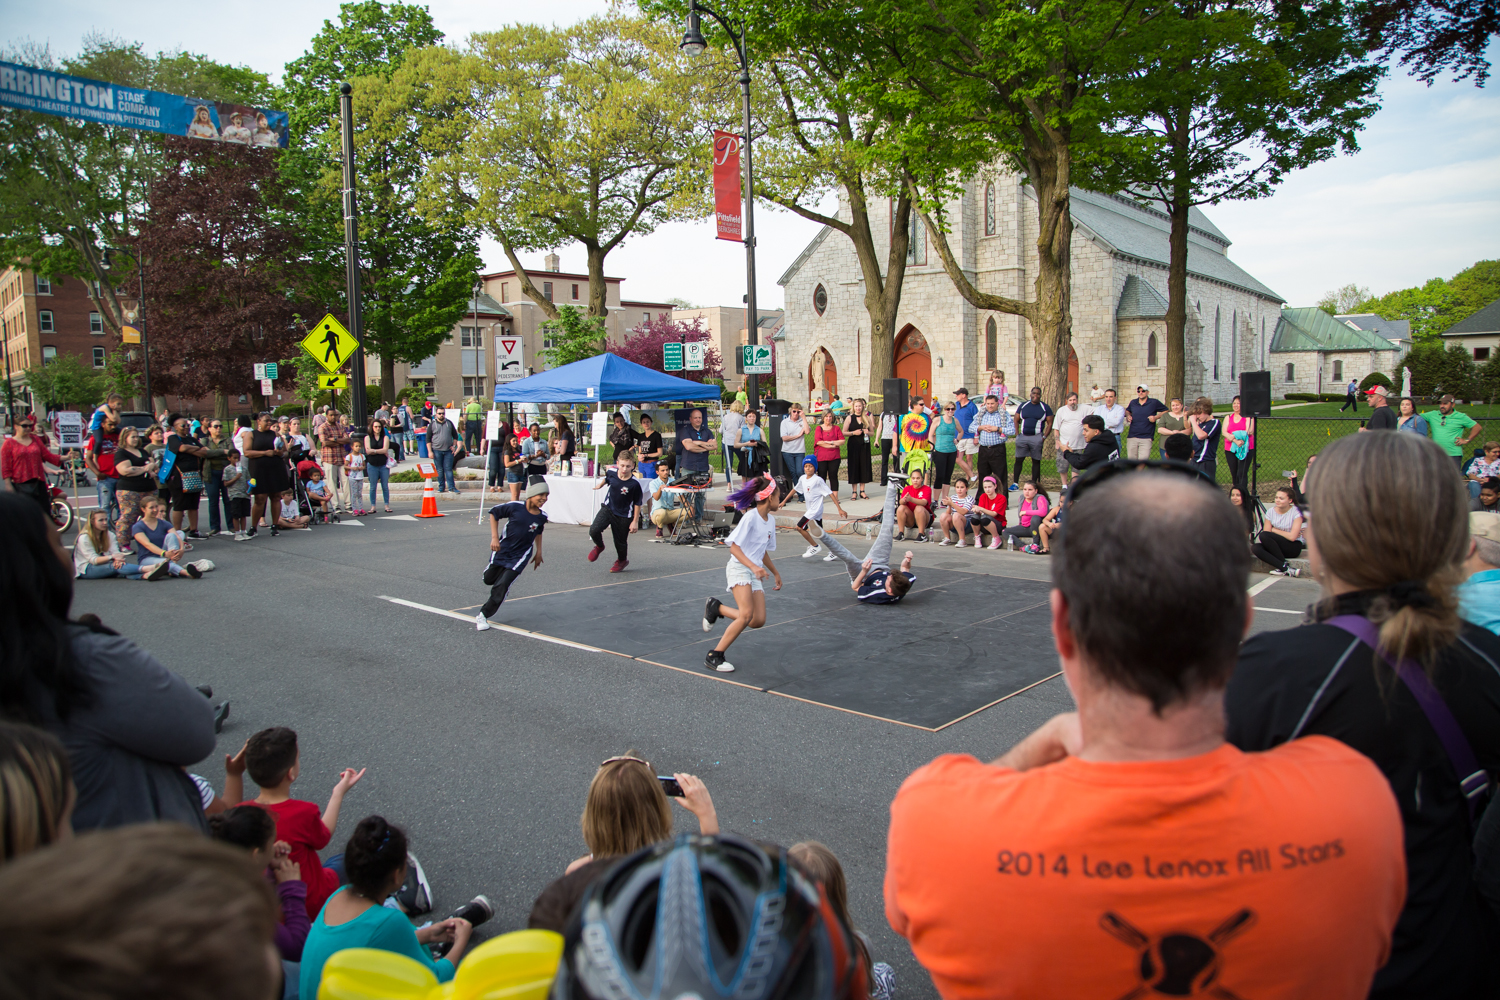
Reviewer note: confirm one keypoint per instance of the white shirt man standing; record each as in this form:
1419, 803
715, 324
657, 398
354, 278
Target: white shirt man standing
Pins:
1067, 433
1113, 414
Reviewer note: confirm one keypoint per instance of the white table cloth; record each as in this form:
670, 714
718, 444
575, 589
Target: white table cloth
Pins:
572, 499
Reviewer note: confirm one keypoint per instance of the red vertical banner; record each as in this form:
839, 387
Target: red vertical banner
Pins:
727, 201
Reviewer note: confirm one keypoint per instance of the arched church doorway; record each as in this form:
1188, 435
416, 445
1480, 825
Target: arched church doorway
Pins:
914, 362
822, 388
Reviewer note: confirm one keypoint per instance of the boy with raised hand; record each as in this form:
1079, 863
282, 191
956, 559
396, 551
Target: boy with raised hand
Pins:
509, 554
814, 489
620, 511
272, 758
871, 578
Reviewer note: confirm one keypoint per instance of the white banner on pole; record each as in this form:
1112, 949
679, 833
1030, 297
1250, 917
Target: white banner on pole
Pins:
70, 429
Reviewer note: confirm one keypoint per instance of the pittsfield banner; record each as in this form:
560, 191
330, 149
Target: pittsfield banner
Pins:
727, 202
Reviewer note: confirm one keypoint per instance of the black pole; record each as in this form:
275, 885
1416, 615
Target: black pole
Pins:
752, 382
10, 399
140, 270
351, 261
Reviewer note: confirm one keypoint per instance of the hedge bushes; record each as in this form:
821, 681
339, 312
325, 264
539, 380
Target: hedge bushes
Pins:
1373, 379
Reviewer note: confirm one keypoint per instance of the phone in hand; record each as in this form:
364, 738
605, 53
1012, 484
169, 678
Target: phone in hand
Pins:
670, 786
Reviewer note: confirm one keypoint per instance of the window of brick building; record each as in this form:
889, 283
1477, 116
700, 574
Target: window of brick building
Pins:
98, 357
96, 323
44, 286
49, 355
44, 320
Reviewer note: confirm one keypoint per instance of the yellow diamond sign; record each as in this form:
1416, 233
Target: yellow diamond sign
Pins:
330, 344
333, 381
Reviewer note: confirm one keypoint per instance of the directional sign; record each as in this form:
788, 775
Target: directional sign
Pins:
755, 359
671, 357
267, 370
329, 344
510, 359
333, 381
693, 354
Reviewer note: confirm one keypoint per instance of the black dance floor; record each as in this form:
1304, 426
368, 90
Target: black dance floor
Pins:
958, 643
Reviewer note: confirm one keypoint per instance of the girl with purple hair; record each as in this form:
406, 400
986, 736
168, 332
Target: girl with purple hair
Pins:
750, 547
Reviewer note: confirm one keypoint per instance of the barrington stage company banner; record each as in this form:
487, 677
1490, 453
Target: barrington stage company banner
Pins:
727, 186
51, 93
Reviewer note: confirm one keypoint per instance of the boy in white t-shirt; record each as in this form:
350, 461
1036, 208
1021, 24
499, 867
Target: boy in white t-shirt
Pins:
814, 488
750, 547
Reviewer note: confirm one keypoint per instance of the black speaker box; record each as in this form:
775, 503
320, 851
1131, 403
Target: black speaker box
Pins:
1255, 394
895, 396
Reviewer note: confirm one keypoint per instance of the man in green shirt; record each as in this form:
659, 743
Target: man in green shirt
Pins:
473, 425
1452, 429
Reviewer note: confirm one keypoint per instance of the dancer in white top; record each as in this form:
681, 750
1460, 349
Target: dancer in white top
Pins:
750, 546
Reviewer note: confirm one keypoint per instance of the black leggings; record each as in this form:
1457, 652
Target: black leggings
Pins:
885, 459
1274, 550
1239, 470
1036, 469
618, 526
942, 468
829, 470
499, 578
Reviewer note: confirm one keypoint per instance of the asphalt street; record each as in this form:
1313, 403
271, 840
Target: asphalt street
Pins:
482, 744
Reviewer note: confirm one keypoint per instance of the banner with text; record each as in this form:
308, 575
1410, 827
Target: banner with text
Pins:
31, 89
727, 186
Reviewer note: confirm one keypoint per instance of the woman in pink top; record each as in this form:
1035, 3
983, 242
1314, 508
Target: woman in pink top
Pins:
1239, 468
826, 438
1033, 508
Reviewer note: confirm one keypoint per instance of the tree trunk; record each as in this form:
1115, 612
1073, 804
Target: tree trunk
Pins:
598, 290
221, 405
531, 291
388, 379
1052, 323
1177, 302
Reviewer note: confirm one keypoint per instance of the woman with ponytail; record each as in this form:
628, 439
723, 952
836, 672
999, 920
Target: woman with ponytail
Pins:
750, 547
1387, 536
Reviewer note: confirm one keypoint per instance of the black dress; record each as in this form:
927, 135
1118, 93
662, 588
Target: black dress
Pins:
859, 457
268, 474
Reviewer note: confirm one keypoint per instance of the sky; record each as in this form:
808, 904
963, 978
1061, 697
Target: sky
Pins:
1421, 198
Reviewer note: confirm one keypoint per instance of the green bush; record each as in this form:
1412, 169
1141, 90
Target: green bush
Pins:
1373, 379
291, 410
1303, 397
409, 476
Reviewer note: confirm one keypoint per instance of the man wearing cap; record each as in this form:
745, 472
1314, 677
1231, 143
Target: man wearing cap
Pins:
1448, 425
522, 541
1479, 595
964, 411
1382, 417
1142, 413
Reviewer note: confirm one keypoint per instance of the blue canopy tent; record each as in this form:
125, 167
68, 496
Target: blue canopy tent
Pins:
604, 378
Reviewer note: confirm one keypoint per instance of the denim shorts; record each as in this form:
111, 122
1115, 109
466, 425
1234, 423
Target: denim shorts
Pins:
737, 574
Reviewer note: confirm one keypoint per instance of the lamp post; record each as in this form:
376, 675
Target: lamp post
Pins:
694, 45
474, 342
140, 271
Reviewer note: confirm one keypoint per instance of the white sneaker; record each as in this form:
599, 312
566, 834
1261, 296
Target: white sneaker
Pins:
481, 623
962, 544
947, 541
830, 557
812, 550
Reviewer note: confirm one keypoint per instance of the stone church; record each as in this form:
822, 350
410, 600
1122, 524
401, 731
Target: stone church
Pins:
1120, 256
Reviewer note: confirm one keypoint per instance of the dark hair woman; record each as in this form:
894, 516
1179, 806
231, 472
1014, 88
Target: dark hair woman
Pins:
130, 725
1388, 551
253, 829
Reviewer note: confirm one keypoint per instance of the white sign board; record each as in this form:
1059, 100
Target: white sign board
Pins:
455, 417
599, 427
510, 359
260, 372
693, 354
265, 387
491, 425
70, 429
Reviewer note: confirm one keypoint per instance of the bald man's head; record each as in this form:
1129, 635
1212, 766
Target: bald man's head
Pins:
1153, 566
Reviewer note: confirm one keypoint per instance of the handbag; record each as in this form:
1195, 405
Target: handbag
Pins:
192, 482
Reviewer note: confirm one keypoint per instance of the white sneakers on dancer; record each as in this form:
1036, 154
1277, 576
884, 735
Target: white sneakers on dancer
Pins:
481, 623
812, 550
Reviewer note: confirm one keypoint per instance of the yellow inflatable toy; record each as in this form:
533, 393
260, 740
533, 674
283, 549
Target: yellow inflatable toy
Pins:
515, 966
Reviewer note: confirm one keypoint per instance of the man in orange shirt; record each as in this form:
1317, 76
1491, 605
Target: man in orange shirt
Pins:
1126, 850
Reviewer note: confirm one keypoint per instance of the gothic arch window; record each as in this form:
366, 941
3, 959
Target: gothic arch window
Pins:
820, 300
989, 210
1151, 351
990, 345
916, 248
1234, 344
1216, 343
1262, 341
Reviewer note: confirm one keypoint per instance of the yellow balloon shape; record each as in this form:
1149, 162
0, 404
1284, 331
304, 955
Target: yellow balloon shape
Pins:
515, 966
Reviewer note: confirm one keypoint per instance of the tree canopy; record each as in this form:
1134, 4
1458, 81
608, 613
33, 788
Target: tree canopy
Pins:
1432, 306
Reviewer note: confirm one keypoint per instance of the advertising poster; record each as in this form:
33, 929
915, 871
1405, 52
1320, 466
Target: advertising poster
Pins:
31, 89
727, 201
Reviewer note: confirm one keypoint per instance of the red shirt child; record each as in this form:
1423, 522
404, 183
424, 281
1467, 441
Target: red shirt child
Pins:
994, 505
273, 761
910, 493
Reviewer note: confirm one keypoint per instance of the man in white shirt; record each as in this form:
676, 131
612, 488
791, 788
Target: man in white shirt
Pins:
793, 441
1067, 433
1113, 414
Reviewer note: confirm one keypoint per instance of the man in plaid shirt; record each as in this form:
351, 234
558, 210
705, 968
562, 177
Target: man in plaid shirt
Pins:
334, 440
993, 426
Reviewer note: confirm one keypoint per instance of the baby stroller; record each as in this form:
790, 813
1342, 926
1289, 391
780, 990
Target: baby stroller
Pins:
305, 505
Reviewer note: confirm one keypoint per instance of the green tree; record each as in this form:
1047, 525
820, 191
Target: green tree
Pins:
415, 275
575, 335
1437, 304
1351, 298
1435, 371
64, 382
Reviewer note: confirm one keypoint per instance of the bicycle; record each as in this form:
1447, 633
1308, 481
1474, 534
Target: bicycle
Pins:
60, 509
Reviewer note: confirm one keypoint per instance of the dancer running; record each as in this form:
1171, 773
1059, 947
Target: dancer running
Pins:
524, 522
815, 489
620, 511
750, 546
871, 579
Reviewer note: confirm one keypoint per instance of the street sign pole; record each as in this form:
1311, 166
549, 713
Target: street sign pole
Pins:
351, 260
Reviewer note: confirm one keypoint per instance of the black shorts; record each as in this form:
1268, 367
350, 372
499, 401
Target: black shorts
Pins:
185, 501
239, 506
804, 522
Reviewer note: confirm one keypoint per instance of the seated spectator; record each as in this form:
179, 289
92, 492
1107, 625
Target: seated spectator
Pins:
1048, 527
823, 865
36, 790
1281, 539
148, 911
254, 830
666, 507
1178, 447
1245, 508
1488, 500
288, 517
954, 517
1479, 594
1100, 445
129, 724
757, 929
915, 508
274, 762
318, 493
1388, 551
988, 513
375, 861
1033, 511
96, 554
157, 546
1172, 858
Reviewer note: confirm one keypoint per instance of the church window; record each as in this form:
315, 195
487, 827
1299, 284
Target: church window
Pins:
1216, 343
989, 210
1234, 344
990, 345
1151, 351
820, 300
916, 249
1291, 373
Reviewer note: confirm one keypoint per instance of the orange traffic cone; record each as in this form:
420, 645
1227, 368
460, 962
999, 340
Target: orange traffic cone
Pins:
429, 501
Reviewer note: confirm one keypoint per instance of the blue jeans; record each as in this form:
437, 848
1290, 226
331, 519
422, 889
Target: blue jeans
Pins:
217, 494
107, 502
793, 464
103, 571
380, 474
445, 469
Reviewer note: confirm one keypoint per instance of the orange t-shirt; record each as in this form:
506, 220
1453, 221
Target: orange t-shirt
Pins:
1264, 875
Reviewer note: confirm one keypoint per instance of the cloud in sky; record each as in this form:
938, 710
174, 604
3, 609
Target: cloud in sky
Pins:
1419, 200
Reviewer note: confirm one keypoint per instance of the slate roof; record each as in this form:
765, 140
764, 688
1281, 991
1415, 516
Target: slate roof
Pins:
1312, 329
1138, 300
487, 306
1390, 329
1486, 320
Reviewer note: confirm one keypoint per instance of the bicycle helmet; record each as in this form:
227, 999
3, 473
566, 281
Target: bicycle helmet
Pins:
705, 918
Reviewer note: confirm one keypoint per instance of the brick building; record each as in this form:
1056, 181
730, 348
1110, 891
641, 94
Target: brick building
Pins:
42, 319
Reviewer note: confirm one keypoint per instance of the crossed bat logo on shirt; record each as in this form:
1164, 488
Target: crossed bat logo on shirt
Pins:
1179, 964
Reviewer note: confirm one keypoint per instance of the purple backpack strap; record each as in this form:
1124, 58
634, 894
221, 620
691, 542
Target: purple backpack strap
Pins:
1473, 781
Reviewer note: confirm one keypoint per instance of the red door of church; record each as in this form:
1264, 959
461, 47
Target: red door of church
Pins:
1072, 371
914, 363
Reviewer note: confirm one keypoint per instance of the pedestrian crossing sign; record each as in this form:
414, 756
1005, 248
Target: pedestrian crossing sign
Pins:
330, 344
333, 381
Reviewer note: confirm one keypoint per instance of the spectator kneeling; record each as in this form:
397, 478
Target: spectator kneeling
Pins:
1126, 848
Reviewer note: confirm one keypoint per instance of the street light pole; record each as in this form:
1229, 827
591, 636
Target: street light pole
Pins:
351, 261
694, 45
140, 271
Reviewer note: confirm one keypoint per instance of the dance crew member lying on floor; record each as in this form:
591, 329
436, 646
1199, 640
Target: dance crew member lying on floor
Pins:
524, 522
750, 547
814, 488
620, 511
872, 580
